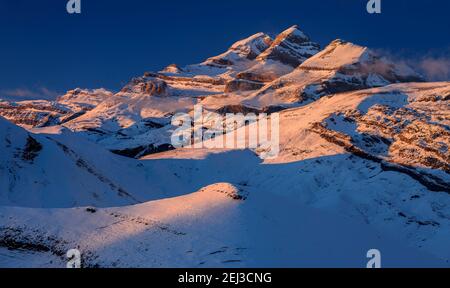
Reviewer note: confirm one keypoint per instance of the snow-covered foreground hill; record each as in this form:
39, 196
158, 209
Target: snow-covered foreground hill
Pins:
363, 164
218, 226
64, 170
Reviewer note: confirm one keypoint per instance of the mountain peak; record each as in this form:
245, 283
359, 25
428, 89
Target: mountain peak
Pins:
172, 69
339, 42
254, 39
338, 54
343, 56
246, 49
291, 47
293, 33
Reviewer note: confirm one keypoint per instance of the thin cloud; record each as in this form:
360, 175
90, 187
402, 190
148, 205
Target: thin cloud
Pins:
436, 68
432, 66
18, 94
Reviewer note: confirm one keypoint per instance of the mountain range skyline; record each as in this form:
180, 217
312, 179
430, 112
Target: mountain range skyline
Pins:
68, 61
276, 150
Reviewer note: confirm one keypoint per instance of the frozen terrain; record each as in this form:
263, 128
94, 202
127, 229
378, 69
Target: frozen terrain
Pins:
363, 164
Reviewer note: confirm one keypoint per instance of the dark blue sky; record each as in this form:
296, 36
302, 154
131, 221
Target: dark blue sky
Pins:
44, 50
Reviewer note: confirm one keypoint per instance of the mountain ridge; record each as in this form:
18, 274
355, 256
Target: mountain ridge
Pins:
363, 146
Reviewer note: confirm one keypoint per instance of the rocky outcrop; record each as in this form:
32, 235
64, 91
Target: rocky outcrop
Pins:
141, 151
185, 79
149, 86
235, 109
31, 150
242, 85
33, 113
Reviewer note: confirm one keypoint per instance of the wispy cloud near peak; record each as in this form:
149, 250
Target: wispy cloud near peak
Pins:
22, 93
433, 66
436, 68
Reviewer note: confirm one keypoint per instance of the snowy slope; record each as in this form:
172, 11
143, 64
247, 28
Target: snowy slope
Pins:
39, 170
213, 227
82, 99
398, 184
340, 67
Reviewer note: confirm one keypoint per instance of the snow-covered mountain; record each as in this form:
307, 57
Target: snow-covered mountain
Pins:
255, 74
340, 67
65, 171
363, 164
41, 113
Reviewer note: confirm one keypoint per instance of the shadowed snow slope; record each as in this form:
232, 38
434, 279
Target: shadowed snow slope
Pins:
211, 228
66, 171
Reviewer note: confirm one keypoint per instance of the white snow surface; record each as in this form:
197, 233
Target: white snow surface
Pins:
363, 164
